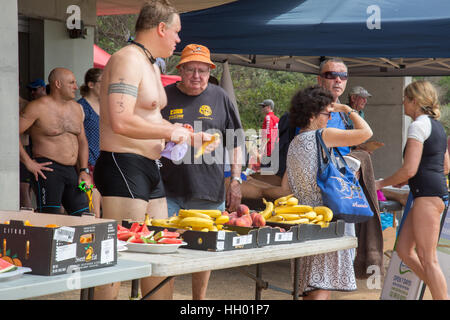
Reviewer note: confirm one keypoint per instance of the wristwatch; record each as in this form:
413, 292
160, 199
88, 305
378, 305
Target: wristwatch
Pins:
85, 170
238, 179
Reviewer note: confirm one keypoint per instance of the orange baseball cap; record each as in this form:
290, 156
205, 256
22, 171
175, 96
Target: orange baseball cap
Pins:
196, 52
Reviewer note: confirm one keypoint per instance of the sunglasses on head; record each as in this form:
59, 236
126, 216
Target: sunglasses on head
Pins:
334, 75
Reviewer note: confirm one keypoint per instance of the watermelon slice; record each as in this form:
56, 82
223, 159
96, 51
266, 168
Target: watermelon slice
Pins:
124, 236
170, 241
143, 230
5, 266
135, 227
149, 240
165, 234
136, 238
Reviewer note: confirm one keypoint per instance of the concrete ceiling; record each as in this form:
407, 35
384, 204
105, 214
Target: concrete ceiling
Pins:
111, 7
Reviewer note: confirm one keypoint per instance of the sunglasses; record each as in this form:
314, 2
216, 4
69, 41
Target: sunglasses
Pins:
333, 75
326, 114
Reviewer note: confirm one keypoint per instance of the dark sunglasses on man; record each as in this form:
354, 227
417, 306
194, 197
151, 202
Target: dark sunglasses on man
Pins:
333, 75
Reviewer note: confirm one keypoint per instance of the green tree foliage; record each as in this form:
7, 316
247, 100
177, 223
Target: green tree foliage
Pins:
112, 32
253, 85
445, 118
443, 86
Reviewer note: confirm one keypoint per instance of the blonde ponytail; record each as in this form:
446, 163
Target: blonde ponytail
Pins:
426, 97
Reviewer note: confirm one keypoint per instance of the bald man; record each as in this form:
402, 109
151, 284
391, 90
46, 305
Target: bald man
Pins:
60, 149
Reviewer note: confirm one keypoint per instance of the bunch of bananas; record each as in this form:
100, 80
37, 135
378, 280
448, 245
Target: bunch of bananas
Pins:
287, 210
193, 219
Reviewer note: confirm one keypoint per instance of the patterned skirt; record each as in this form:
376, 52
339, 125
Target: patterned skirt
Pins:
329, 271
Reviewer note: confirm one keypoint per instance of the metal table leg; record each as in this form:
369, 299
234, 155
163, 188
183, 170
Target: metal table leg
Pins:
84, 294
261, 284
258, 287
134, 289
87, 294
296, 280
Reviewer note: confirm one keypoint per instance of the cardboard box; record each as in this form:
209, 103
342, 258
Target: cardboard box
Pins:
262, 234
80, 243
211, 240
290, 235
313, 232
305, 232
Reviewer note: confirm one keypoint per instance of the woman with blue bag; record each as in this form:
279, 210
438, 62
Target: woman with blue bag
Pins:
425, 165
310, 110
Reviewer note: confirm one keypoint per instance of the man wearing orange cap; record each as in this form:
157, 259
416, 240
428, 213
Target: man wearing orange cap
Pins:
132, 130
199, 183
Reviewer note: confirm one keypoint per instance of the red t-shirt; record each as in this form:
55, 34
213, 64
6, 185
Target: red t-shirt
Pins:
270, 131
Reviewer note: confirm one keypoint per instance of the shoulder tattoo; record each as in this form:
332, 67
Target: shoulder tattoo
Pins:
123, 88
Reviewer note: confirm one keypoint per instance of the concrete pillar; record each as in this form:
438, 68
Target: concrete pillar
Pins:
384, 113
76, 55
9, 97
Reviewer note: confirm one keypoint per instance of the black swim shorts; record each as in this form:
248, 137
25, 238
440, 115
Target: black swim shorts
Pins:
128, 175
60, 187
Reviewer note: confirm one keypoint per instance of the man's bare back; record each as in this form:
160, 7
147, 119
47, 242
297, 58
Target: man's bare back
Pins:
150, 100
56, 128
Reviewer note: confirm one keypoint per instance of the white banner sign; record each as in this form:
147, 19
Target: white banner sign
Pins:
400, 282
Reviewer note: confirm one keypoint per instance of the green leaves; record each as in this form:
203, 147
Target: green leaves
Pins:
113, 31
252, 86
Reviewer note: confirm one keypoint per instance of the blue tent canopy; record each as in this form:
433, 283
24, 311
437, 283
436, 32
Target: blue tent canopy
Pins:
299, 32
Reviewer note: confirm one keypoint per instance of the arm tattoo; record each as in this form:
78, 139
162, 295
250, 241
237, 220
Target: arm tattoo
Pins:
121, 107
123, 88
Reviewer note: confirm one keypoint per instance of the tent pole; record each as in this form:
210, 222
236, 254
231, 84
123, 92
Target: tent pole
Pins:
227, 83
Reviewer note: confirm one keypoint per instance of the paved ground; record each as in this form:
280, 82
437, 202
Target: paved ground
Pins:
231, 284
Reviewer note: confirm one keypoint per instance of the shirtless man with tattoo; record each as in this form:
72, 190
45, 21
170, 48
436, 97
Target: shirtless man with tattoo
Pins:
132, 130
55, 124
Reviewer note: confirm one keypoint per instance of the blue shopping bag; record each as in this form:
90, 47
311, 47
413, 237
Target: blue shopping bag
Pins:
341, 191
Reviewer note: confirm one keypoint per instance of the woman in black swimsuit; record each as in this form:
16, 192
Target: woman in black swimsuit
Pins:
424, 168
